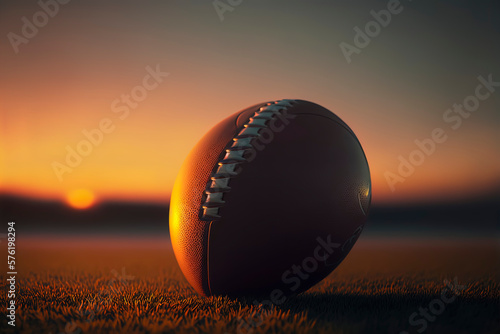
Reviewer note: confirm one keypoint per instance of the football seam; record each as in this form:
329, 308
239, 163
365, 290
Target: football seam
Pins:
208, 258
218, 183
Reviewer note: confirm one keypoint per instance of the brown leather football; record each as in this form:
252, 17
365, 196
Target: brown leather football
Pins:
269, 201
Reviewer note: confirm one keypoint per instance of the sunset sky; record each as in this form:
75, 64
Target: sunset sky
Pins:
68, 77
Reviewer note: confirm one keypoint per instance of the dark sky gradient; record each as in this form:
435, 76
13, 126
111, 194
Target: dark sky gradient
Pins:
393, 92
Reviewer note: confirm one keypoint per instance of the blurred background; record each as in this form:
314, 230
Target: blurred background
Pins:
101, 102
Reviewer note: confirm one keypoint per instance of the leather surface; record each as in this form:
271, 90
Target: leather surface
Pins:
188, 233
303, 185
310, 181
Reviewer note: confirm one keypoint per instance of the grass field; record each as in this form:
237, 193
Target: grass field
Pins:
135, 286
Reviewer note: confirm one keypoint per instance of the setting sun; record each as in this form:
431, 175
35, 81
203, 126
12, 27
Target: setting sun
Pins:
80, 198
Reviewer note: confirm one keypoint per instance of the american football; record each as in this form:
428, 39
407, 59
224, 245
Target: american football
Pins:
269, 201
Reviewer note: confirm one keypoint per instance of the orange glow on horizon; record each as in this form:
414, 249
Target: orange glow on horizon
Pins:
51, 108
